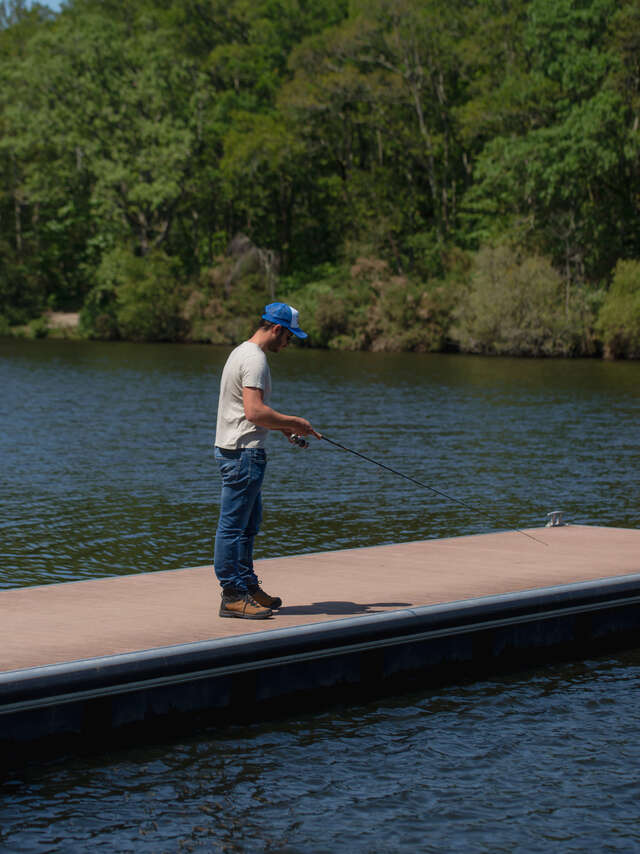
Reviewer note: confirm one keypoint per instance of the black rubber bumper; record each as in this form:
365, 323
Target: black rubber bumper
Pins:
276, 671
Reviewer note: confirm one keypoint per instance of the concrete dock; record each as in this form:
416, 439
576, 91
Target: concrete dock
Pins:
92, 658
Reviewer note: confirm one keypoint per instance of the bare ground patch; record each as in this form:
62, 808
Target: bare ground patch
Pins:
63, 320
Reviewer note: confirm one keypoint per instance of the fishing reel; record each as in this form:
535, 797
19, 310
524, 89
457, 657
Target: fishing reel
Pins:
298, 440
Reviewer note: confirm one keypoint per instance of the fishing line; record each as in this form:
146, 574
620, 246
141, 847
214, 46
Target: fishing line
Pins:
426, 486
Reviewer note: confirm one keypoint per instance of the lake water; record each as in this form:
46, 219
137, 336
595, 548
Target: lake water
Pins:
107, 468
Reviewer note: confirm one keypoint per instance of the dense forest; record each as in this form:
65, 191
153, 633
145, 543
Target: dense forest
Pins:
410, 174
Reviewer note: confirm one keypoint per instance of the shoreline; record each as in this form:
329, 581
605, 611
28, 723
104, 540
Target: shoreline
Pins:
65, 328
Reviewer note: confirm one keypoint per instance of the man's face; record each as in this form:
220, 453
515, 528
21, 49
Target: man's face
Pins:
280, 339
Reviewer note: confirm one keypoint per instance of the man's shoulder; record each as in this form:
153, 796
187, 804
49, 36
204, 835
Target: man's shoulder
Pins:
245, 350
250, 352
246, 356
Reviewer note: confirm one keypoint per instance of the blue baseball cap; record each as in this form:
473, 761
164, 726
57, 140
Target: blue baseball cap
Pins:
285, 315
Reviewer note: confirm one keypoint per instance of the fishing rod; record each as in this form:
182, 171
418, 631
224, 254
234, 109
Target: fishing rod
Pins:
302, 443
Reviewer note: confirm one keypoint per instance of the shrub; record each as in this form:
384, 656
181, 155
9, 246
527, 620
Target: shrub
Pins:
324, 308
148, 304
406, 316
98, 316
21, 287
222, 310
38, 328
224, 304
367, 307
136, 297
519, 306
619, 320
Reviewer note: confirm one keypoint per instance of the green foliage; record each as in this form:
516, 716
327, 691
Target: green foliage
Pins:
136, 297
619, 320
563, 172
326, 309
263, 168
228, 299
98, 316
137, 140
148, 303
367, 307
215, 317
38, 328
518, 306
21, 298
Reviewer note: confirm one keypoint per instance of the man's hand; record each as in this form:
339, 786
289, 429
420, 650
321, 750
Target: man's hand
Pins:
257, 411
304, 428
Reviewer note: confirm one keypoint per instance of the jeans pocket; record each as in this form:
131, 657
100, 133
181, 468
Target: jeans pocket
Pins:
229, 463
258, 463
229, 468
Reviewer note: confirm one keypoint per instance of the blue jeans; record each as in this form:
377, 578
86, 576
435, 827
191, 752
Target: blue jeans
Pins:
242, 473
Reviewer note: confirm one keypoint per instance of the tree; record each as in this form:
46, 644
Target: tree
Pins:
563, 178
22, 255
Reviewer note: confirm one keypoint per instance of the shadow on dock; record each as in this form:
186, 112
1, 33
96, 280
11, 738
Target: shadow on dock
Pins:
495, 608
341, 609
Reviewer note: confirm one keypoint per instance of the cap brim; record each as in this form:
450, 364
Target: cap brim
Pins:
277, 322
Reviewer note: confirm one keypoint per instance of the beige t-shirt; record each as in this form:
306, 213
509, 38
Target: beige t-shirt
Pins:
246, 366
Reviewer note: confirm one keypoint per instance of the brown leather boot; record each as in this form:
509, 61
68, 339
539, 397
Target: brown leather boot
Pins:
264, 599
245, 607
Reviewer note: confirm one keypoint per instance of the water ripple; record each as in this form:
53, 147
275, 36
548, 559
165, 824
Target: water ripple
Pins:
108, 469
530, 763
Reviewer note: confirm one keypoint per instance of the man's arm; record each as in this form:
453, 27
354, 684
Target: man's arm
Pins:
258, 412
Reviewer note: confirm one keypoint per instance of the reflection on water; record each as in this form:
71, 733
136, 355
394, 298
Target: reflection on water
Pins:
108, 468
546, 761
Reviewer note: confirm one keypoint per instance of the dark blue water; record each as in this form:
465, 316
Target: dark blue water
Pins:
107, 469
544, 762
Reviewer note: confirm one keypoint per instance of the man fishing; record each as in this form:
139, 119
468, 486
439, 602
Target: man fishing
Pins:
244, 421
